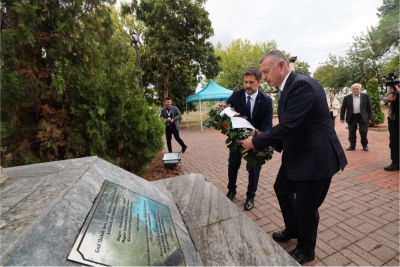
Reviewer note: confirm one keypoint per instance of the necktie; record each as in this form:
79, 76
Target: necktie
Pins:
248, 106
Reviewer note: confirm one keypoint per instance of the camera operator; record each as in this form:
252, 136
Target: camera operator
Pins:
171, 116
393, 124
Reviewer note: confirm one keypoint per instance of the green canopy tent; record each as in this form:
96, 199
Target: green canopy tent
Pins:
211, 92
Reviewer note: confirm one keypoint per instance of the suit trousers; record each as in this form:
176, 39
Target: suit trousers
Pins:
169, 131
234, 163
363, 129
299, 202
394, 140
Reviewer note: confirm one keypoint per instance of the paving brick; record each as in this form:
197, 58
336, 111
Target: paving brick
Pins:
336, 259
379, 238
325, 247
368, 244
365, 255
354, 258
353, 222
392, 228
347, 232
339, 243
329, 222
366, 228
327, 235
390, 216
394, 262
384, 253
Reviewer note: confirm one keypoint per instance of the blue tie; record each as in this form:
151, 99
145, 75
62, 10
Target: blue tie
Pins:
248, 106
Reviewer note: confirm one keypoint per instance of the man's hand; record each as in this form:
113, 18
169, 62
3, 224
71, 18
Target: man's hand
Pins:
247, 144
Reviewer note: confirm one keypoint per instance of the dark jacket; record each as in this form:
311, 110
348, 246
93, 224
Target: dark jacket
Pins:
262, 111
311, 148
175, 114
365, 107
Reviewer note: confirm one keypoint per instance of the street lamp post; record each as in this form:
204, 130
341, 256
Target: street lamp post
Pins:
135, 43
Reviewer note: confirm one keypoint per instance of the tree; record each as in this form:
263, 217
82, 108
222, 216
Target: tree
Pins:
333, 74
302, 67
72, 86
236, 57
373, 91
175, 38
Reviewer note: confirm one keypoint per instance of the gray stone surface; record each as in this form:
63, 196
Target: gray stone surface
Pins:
222, 234
43, 207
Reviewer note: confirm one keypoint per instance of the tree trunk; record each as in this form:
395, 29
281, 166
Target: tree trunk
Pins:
166, 79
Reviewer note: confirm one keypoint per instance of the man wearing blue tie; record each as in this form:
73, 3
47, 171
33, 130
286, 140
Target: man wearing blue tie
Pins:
257, 107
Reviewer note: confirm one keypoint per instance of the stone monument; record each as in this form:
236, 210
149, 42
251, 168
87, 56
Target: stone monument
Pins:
52, 212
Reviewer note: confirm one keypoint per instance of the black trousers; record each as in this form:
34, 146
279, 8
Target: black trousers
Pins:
169, 131
394, 140
355, 120
234, 163
299, 202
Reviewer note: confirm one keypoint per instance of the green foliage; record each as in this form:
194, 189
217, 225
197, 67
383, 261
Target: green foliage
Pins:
83, 98
302, 68
368, 55
238, 56
175, 49
373, 91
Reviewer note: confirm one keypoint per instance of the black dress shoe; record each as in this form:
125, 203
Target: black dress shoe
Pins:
302, 256
283, 236
351, 148
184, 149
249, 204
365, 148
231, 194
392, 167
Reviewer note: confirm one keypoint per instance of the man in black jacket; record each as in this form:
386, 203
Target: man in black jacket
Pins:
171, 116
257, 107
358, 109
393, 124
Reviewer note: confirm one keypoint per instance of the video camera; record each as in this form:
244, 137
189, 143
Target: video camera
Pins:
392, 79
168, 121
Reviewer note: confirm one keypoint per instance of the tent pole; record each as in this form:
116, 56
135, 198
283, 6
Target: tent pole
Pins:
187, 115
201, 117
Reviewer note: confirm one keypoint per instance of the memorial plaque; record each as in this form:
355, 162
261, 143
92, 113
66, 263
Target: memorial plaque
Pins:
126, 228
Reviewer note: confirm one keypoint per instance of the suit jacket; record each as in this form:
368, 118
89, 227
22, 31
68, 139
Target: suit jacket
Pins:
175, 114
365, 107
311, 148
262, 111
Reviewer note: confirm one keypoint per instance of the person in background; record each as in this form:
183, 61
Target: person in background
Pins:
171, 116
257, 107
393, 125
333, 105
312, 153
358, 109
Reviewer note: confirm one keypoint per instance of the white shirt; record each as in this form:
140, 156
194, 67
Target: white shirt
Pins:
252, 101
356, 104
284, 82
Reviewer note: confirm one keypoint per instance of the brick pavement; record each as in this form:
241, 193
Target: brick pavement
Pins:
359, 220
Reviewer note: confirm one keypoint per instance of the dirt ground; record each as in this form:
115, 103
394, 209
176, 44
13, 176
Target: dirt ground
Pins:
157, 171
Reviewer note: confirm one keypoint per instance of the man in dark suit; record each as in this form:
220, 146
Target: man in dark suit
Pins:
257, 107
358, 109
312, 153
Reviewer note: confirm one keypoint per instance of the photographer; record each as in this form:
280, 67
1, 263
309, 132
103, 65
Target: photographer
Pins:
171, 116
393, 124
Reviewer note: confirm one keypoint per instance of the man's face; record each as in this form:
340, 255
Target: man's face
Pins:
331, 96
355, 90
168, 103
272, 72
250, 84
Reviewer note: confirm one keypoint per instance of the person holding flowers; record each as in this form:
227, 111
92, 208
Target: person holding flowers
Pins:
257, 108
312, 153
